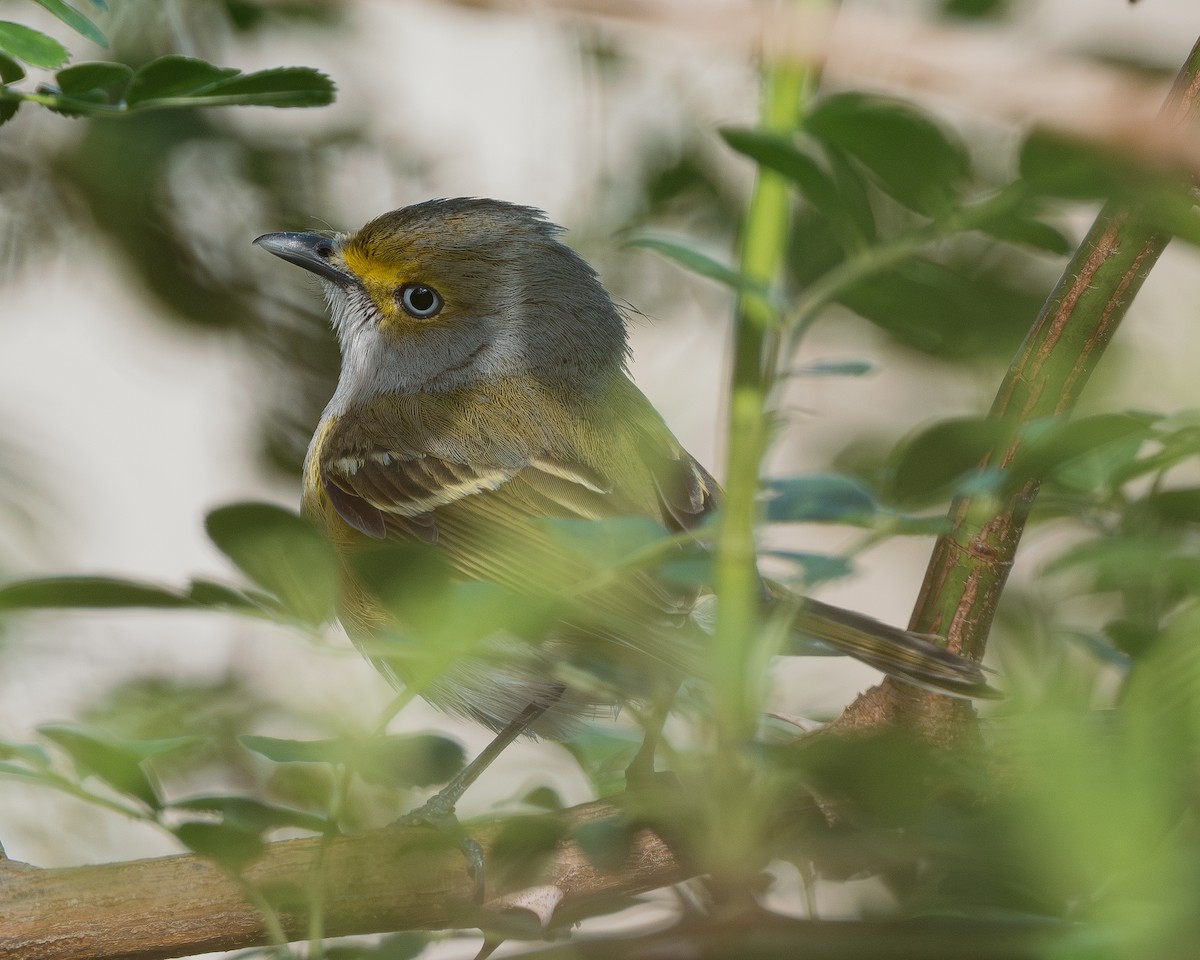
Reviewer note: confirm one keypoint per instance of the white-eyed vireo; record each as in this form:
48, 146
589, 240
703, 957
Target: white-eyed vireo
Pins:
483, 390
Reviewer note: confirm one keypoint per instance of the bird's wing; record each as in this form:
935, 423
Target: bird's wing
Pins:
485, 501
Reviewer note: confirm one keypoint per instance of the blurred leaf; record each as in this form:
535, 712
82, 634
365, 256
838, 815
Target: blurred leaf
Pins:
115, 760
545, 797
606, 843
398, 946
206, 593
524, 845
933, 462
1148, 565
605, 543
282, 553
976, 9
1175, 506
29, 753
1178, 439
18, 771
416, 760
173, 77
96, 81
834, 368
1084, 453
780, 153
914, 160
603, 754
75, 20
816, 567
231, 847
702, 264
853, 190
820, 498
297, 751
87, 592
946, 310
1021, 228
10, 70
1060, 167
32, 46
252, 816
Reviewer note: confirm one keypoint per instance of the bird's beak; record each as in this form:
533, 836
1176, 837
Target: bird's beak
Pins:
307, 250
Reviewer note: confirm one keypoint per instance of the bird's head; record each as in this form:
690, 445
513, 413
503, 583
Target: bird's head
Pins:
446, 294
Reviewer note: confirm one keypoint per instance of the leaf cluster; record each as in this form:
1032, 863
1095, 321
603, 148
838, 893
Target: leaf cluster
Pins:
101, 88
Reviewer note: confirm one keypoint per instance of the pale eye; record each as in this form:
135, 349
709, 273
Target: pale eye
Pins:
419, 300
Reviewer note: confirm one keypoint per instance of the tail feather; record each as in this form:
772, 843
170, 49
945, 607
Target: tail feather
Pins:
902, 654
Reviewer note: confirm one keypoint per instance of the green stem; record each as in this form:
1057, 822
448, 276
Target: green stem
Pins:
970, 564
755, 328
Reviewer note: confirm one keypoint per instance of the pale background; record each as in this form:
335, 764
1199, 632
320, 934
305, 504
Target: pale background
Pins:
125, 431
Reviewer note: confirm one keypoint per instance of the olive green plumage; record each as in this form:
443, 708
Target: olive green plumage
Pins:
483, 391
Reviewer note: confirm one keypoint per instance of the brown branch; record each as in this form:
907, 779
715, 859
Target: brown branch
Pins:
970, 564
400, 878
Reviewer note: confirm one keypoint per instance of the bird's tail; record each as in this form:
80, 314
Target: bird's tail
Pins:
907, 656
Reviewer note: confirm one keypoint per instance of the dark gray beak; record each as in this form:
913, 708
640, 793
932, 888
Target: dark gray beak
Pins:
313, 253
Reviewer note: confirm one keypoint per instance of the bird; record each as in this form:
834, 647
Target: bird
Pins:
484, 405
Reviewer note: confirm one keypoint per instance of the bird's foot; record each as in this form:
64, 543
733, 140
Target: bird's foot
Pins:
438, 812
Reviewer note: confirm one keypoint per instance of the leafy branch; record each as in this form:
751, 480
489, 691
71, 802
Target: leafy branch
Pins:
105, 89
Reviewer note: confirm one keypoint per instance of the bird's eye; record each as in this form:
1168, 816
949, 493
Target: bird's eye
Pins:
419, 300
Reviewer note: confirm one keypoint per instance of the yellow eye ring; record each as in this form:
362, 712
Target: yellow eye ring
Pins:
419, 301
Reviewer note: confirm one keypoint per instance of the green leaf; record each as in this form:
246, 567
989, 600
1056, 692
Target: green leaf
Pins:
399, 946
603, 754
701, 264
174, 77
416, 760
606, 843
1175, 506
1083, 454
87, 592
914, 160
1060, 167
75, 20
281, 553
606, 543
231, 847
1028, 231
816, 567
250, 815
28, 753
32, 46
10, 70
296, 751
937, 460
281, 87
115, 760
96, 81
780, 153
206, 593
835, 368
176, 80
944, 309
820, 498
522, 847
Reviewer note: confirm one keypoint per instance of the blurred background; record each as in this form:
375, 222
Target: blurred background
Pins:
153, 365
